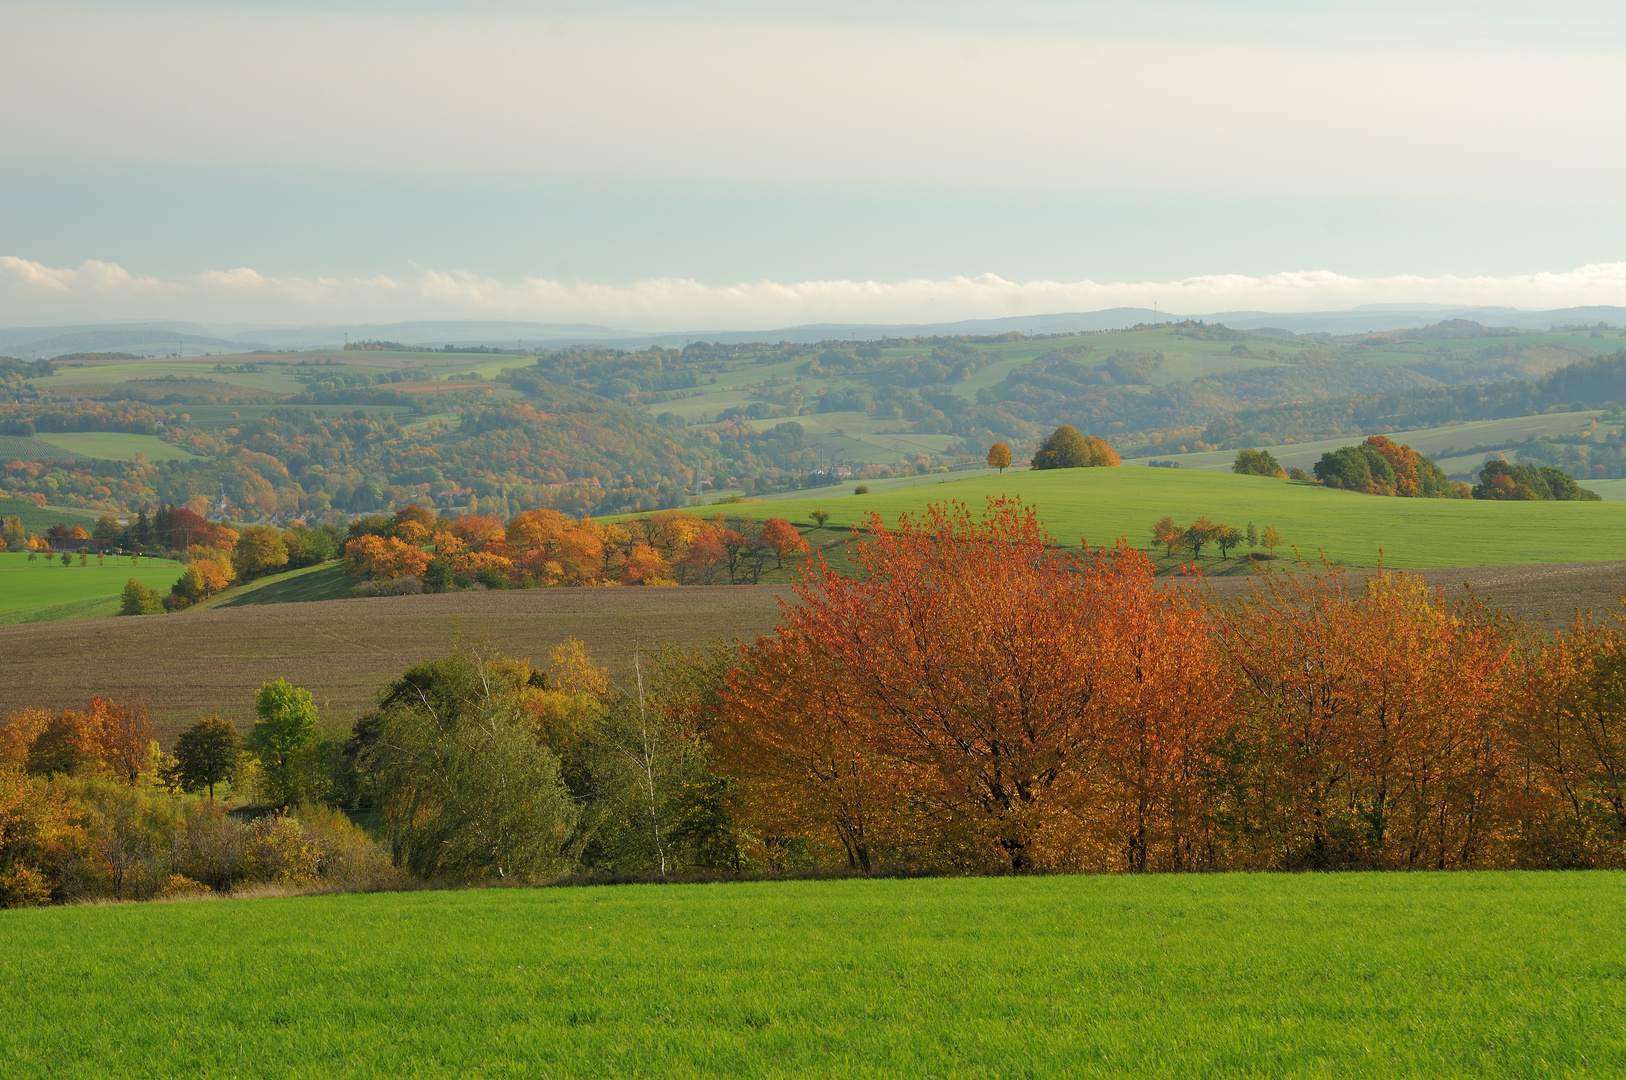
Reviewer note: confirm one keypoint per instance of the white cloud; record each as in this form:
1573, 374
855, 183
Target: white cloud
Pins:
34, 294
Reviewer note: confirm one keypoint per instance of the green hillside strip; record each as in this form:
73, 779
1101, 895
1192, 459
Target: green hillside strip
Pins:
116, 446
36, 519
19, 448
1465, 974
326, 581
47, 591
1490, 434
1104, 504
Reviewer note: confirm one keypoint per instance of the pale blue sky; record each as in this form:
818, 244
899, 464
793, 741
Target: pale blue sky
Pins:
357, 156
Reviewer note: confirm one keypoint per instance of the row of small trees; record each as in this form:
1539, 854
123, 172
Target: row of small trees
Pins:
1203, 532
544, 548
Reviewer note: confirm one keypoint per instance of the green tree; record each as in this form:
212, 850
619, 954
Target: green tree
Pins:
1227, 537
1253, 535
819, 518
287, 724
206, 754
1253, 462
15, 535
140, 599
466, 788
1067, 449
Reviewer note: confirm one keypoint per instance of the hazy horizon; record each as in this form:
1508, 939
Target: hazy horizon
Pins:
737, 167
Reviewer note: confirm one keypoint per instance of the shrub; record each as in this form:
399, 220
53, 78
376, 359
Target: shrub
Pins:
140, 599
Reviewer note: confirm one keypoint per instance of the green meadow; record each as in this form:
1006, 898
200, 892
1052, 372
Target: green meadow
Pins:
116, 446
1101, 505
1336, 975
45, 590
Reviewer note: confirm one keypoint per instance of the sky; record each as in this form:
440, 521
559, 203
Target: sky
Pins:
732, 165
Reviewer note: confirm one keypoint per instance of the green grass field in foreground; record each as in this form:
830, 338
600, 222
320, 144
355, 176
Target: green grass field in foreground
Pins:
1349, 975
45, 590
1104, 504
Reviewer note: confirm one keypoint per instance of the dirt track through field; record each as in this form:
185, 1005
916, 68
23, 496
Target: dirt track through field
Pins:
202, 662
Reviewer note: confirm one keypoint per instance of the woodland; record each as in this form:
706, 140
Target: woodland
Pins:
589, 430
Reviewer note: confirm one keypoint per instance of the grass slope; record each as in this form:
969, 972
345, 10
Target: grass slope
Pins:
36, 519
1104, 504
1509, 975
116, 446
1459, 448
325, 581
45, 591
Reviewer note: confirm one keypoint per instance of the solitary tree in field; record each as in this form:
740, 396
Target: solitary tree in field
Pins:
1252, 462
205, 753
819, 518
783, 538
999, 456
1167, 533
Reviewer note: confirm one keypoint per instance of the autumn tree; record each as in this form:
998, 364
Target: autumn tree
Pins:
1368, 728
259, 550
206, 753
946, 704
1226, 537
1270, 539
1168, 534
999, 457
124, 733
1198, 533
783, 538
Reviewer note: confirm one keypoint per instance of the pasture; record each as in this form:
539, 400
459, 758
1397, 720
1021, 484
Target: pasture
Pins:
1104, 504
46, 591
116, 446
1335, 975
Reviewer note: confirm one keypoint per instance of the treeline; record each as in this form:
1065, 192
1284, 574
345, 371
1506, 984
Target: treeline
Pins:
416, 551
975, 700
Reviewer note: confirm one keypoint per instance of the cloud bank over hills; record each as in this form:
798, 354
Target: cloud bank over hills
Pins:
32, 293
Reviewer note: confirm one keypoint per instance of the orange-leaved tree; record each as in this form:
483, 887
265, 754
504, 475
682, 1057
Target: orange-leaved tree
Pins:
1370, 726
953, 699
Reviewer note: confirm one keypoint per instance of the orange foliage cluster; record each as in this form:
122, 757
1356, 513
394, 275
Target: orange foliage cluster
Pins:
976, 698
544, 548
111, 739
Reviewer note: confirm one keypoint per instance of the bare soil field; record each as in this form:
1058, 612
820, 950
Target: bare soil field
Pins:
200, 662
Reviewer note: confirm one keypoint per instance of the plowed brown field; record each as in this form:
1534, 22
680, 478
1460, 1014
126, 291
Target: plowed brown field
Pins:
200, 662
